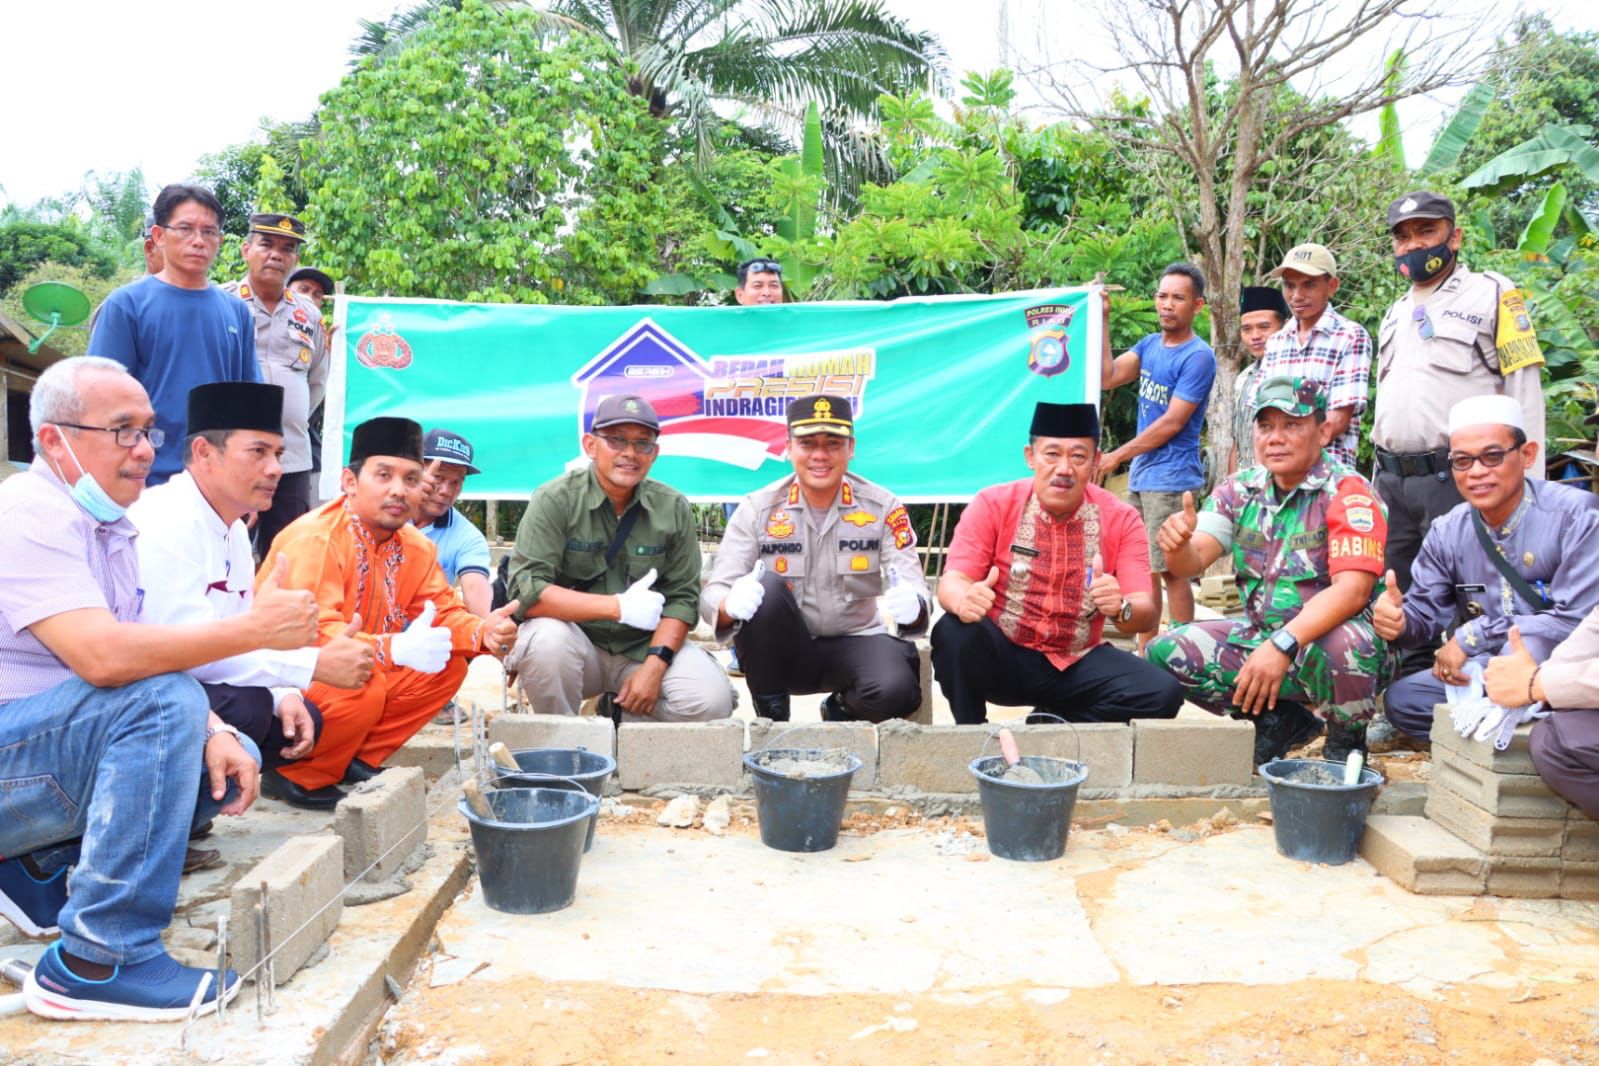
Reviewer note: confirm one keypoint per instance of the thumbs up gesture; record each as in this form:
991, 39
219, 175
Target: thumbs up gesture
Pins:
285, 618
344, 661
640, 605
902, 602
423, 646
499, 630
1388, 613
1178, 529
1104, 591
744, 596
1510, 678
978, 598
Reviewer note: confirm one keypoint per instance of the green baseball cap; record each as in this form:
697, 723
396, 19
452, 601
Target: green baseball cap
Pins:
1297, 396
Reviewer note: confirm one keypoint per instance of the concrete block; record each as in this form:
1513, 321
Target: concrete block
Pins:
1524, 878
1582, 838
859, 737
1192, 751
1501, 795
517, 731
935, 758
434, 754
1449, 746
1495, 837
382, 821
1422, 857
1401, 797
680, 753
305, 886
924, 654
1579, 880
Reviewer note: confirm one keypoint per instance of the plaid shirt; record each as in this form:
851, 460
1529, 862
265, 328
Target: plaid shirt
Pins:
1337, 353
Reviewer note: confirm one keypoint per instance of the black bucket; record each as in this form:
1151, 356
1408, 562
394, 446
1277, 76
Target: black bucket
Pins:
1316, 817
567, 768
800, 813
528, 856
1024, 821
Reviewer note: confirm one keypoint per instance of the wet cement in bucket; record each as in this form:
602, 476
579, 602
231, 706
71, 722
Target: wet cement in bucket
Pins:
814, 763
1314, 775
1032, 770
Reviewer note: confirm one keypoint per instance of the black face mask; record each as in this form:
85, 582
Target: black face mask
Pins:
1424, 264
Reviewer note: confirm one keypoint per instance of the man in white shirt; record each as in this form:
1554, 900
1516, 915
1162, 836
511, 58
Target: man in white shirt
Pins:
196, 566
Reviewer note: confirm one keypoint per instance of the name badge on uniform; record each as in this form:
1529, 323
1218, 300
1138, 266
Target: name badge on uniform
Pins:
1022, 559
1471, 607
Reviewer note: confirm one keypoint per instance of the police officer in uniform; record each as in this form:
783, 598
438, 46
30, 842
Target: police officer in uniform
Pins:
1454, 335
806, 568
293, 352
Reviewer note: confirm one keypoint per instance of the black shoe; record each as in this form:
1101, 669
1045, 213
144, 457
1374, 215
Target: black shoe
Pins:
1278, 731
1343, 738
607, 707
200, 832
359, 771
833, 709
200, 859
773, 707
275, 786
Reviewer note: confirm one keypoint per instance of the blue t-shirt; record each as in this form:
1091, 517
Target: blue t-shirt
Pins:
172, 339
1185, 372
462, 549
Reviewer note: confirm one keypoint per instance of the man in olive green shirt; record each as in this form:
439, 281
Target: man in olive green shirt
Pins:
607, 568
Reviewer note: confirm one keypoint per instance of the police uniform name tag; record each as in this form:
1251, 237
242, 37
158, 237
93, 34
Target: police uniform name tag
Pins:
1514, 339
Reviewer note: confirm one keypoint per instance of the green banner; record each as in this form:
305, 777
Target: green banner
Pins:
943, 387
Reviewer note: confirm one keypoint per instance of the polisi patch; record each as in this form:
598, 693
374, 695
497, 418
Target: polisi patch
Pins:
867, 545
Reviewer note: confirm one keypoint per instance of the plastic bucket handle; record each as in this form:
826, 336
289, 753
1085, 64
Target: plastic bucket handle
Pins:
1077, 738
488, 796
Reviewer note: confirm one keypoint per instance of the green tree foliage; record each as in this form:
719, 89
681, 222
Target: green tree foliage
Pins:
67, 340
489, 162
26, 244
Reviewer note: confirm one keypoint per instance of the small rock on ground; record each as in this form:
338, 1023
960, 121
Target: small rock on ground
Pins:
680, 813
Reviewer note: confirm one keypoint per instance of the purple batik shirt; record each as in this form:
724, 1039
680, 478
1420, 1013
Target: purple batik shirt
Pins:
55, 558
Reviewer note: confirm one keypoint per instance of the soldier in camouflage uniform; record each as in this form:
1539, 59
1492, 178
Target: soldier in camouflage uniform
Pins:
1306, 536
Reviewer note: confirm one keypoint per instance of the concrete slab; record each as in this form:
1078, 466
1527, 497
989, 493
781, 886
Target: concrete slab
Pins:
382, 822
304, 879
1518, 837
1422, 856
1190, 752
1447, 745
518, 731
1501, 795
935, 759
1582, 838
678, 753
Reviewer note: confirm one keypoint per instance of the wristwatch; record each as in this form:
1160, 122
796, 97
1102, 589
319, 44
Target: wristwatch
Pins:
663, 653
1284, 642
223, 728
1125, 615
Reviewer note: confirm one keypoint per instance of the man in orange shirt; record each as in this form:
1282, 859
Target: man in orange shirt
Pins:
377, 578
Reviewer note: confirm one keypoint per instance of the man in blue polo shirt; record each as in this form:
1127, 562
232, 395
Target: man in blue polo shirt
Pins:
174, 329
1174, 369
463, 551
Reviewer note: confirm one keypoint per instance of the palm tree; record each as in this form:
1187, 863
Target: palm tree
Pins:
769, 58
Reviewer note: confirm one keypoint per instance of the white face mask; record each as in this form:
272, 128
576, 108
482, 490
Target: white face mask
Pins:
87, 490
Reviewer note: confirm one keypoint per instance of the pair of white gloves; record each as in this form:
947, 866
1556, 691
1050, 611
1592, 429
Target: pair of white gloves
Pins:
744, 597
1476, 716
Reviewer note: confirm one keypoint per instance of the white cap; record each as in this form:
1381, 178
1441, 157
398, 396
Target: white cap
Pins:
1489, 410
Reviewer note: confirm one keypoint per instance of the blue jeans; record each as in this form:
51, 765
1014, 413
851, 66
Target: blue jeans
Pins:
116, 767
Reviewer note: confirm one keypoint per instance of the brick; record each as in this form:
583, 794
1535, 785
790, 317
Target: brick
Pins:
1524, 878
1401, 797
936, 758
859, 737
680, 753
1501, 795
517, 731
434, 754
1496, 837
1449, 746
1192, 751
924, 655
382, 821
1582, 838
1422, 857
305, 878
1579, 880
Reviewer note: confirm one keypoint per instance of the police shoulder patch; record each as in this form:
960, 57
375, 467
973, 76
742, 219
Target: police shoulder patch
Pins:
899, 524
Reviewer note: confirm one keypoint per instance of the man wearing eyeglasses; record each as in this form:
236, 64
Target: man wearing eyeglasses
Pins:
607, 567
1456, 334
1545, 534
293, 352
174, 329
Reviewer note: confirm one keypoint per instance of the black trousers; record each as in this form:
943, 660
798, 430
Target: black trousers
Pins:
292, 500
975, 664
1413, 502
250, 711
878, 676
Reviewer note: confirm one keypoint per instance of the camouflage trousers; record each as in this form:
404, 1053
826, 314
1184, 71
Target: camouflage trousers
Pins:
1337, 676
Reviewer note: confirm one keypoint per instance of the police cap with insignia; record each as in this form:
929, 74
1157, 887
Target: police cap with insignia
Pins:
277, 225
1297, 396
820, 414
1065, 420
397, 437
1262, 298
625, 410
235, 405
1420, 204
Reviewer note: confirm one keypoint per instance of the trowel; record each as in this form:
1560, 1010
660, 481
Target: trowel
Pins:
1015, 771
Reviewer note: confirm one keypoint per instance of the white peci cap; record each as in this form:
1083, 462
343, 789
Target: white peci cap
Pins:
1490, 410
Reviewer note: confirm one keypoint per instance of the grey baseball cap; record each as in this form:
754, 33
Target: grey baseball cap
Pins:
621, 410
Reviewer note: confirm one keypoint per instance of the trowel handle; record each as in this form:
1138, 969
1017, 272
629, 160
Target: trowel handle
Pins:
476, 800
502, 755
1008, 748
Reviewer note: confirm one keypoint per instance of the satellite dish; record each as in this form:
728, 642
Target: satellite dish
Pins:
55, 303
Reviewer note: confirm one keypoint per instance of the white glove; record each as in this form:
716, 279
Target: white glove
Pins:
903, 603
744, 596
423, 646
640, 606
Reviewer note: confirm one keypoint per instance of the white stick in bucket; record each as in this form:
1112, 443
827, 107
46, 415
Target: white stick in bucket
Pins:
1352, 768
502, 755
476, 800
